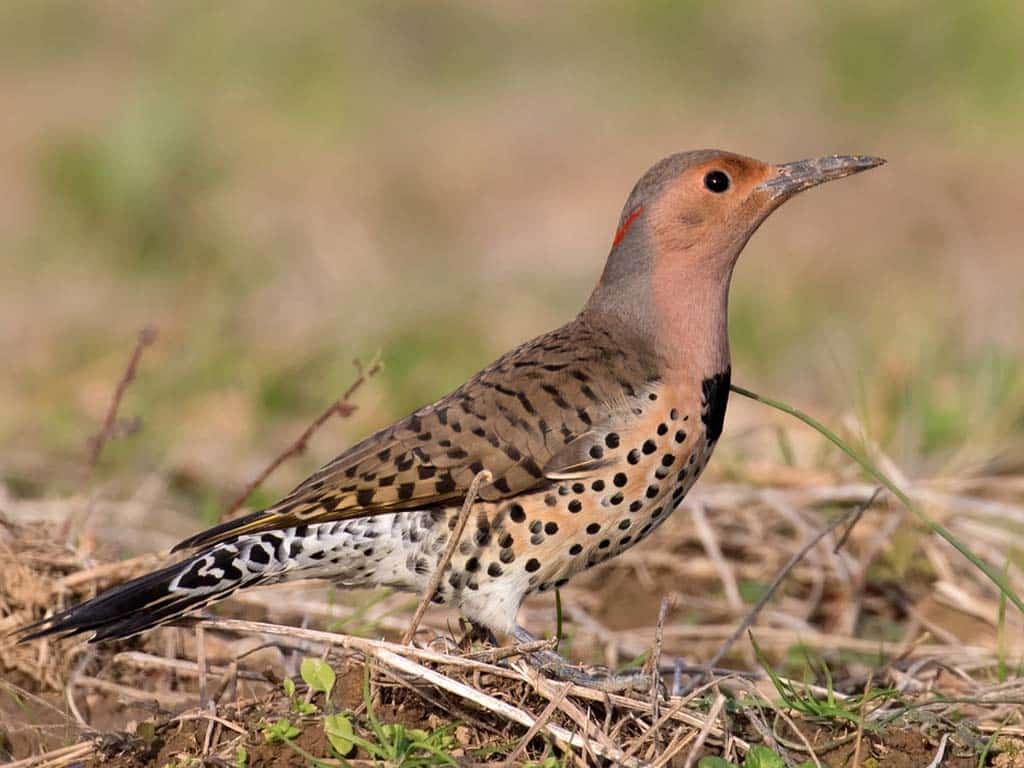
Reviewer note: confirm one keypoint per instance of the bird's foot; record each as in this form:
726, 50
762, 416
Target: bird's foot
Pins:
476, 634
601, 678
598, 677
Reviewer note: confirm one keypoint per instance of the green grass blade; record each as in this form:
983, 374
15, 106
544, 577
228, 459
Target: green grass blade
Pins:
1001, 667
993, 575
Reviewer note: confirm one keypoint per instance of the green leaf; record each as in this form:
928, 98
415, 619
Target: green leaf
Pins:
762, 757
241, 758
146, 731
338, 730
318, 675
289, 687
713, 761
282, 730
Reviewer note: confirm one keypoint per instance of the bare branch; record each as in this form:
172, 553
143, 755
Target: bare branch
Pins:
340, 407
109, 428
851, 515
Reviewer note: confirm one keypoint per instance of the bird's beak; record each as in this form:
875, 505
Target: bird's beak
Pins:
791, 178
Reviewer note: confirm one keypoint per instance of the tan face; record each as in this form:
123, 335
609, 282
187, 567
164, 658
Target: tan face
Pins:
714, 206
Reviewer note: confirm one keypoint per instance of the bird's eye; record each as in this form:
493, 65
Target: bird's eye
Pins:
717, 181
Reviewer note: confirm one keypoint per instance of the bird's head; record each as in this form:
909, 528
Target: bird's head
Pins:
685, 223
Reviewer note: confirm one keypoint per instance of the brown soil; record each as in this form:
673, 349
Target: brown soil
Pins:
158, 723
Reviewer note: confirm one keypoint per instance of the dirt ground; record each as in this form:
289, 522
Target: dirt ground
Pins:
876, 670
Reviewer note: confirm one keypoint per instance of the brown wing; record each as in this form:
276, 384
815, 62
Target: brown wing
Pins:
539, 413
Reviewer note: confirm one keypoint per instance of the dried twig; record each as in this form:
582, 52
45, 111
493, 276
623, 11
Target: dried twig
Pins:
542, 721
69, 691
751, 617
496, 706
180, 667
164, 699
860, 722
940, 752
307, 638
483, 476
146, 337
202, 715
57, 757
656, 684
201, 665
106, 573
716, 708
551, 690
493, 655
780, 714
709, 541
340, 407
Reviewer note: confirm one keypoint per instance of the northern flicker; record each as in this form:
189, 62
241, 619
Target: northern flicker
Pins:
592, 433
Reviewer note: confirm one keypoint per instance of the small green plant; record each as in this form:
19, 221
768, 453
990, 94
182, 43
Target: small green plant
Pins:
548, 762
393, 744
280, 731
241, 758
340, 734
758, 757
298, 706
410, 747
637, 661
828, 707
318, 675
1001, 665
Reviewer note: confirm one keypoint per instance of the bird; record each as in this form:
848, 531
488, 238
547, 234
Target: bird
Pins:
582, 441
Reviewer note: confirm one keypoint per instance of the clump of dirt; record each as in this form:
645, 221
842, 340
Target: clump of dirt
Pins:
311, 740
892, 747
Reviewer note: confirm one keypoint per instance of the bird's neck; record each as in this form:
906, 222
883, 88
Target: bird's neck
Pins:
676, 316
692, 310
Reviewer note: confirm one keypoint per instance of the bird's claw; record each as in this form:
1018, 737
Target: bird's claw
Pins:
598, 677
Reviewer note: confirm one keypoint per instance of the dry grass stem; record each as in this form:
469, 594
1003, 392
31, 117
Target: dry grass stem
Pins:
850, 516
108, 428
57, 758
943, 663
483, 476
940, 752
341, 407
494, 705
537, 727
702, 735
714, 552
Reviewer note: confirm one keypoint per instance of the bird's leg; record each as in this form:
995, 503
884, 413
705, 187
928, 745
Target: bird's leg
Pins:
602, 678
478, 633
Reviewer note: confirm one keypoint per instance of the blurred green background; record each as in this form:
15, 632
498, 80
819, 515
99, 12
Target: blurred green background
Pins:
283, 187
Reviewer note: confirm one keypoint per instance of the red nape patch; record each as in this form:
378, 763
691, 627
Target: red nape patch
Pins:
620, 233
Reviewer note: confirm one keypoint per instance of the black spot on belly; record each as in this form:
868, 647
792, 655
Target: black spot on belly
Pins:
715, 396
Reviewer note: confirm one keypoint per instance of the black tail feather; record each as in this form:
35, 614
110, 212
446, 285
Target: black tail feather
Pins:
130, 608
203, 578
